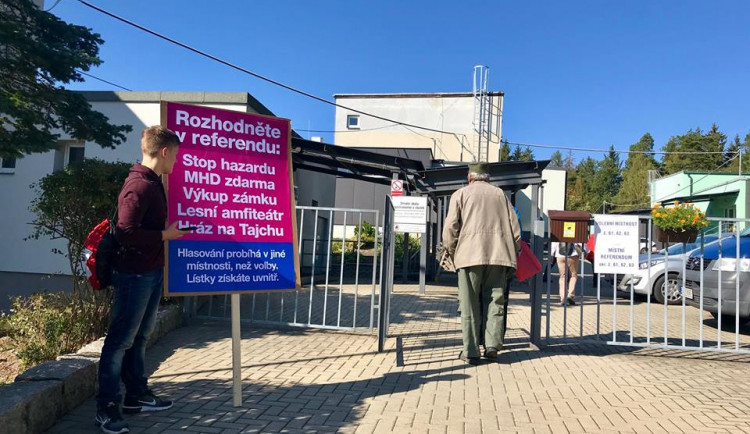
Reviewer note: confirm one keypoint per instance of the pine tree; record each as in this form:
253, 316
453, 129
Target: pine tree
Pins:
527, 154
606, 180
556, 159
705, 151
580, 193
731, 156
517, 154
633, 192
505, 151
569, 163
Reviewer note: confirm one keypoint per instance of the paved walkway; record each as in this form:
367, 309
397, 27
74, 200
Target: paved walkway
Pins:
303, 380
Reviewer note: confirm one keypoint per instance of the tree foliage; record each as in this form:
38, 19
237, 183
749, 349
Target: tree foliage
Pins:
633, 192
625, 186
72, 201
706, 151
580, 186
522, 154
556, 159
504, 151
39, 53
732, 158
607, 178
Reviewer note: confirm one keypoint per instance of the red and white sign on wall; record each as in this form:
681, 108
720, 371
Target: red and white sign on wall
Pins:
397, 187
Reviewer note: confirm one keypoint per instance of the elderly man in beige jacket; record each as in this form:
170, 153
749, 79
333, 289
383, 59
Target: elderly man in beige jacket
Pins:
482, 235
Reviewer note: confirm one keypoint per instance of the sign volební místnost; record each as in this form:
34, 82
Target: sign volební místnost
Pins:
616, 248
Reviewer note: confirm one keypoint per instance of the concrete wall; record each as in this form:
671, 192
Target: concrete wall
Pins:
554, 196
444, 112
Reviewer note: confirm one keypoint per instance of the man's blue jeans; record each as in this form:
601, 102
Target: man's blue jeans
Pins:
134, 310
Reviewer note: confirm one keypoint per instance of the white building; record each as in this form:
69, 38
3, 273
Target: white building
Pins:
450, 114
453, 112
29, 265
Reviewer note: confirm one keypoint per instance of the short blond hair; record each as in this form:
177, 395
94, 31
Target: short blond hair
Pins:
157, 137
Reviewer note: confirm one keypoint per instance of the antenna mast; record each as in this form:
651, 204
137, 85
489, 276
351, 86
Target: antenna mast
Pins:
482, 113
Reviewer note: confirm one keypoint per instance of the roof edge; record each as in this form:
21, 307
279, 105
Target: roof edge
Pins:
183, 97
413, 95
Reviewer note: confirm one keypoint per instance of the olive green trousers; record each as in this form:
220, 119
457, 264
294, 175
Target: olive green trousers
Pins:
481, 300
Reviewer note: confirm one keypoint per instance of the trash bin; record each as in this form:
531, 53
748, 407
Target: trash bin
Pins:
569, 226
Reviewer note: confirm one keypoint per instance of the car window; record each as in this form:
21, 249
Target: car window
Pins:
677, 249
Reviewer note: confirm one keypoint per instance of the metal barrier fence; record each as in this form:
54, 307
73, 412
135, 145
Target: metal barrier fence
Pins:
701, 295
339, 271
384, 306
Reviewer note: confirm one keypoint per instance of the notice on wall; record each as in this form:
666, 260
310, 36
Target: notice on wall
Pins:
233, 182
410, 214
616, 247
397, 187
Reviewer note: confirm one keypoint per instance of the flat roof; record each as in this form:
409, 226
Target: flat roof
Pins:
184, 97
413, 95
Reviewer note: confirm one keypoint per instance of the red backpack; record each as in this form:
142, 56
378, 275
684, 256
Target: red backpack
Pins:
101, 248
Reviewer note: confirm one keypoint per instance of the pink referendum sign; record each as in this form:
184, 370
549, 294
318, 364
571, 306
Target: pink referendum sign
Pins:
232, 181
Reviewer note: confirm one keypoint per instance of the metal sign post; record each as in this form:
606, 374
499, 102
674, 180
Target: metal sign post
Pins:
236, 352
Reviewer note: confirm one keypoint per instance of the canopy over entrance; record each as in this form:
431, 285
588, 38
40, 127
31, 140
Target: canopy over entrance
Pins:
437, 184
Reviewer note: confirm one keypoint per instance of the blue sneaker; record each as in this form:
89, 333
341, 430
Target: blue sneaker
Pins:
110, 420
146, 402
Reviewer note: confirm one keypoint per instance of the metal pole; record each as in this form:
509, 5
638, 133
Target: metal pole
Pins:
439, 238
405, 267
356, 271
312, 274
341, 274
236, 353
374, 268
301, 257
535, 296
423, 251
328, 265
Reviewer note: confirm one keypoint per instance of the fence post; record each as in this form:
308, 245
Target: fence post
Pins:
386, 279
537, 246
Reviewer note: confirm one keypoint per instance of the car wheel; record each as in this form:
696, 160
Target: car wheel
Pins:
644, 250
669, 289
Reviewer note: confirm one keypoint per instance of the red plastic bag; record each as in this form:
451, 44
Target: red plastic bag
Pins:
590, 244
90, 247
527, 265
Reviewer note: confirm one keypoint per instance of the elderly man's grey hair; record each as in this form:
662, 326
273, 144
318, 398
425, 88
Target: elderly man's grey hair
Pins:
479, 176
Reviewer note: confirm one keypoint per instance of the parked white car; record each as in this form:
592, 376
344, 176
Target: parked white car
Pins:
662, 279
643, 246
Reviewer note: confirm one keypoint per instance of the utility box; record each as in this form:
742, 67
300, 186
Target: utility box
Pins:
569, 226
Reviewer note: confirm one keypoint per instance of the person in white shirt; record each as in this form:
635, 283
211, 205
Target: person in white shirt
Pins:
557, 251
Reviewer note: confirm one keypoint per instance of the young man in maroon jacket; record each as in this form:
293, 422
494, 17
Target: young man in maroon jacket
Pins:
142, 215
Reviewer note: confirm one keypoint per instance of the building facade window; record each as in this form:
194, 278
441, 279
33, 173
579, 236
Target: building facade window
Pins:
74, 154
68, 152
352, 122
8, 165
729, 213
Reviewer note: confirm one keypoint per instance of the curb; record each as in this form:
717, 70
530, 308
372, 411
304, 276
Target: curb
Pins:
43, 394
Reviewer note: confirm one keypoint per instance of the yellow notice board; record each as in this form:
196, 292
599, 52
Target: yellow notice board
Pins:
569, 229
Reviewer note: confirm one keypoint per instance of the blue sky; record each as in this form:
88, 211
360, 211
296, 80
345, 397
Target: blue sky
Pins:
585, 74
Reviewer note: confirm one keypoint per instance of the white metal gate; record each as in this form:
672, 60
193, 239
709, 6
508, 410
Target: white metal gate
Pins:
700, 292
340, 268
